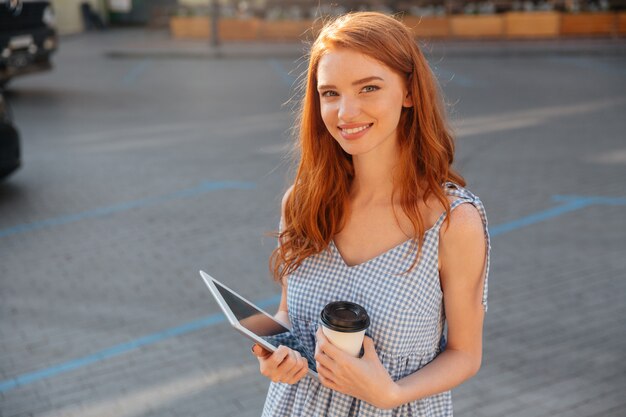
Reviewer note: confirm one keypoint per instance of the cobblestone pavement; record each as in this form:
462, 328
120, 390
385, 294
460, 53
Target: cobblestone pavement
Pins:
141, 169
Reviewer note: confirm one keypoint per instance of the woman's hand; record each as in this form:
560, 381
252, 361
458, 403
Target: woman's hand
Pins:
283, 365
364, 378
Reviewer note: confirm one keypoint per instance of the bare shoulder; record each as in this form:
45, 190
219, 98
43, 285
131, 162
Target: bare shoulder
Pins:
463, 243
285, 198
287, 194
465, 221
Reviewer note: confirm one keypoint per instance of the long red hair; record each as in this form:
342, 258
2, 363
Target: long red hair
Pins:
315, 209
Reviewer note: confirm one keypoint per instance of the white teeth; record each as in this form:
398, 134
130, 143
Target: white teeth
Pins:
355, 130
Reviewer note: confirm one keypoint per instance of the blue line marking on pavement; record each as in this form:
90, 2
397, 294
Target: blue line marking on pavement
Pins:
572, 203
607, 201
117, 350
538, 217
104, 211
284, 75
135, 72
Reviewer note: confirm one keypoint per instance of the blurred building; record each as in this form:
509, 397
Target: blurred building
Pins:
70, 19
68, 14
156, 13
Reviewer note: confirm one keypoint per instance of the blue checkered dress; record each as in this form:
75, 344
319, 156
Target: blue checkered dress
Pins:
407, 320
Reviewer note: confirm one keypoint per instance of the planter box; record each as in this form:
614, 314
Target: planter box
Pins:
239, 29
490, 26
585, 24
509, 25
288, 30
621, 23
199, 27
532, 24
190, 27
428, 27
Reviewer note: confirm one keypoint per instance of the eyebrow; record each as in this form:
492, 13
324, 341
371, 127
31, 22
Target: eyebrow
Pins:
357, 82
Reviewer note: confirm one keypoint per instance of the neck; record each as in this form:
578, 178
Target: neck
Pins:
373, 175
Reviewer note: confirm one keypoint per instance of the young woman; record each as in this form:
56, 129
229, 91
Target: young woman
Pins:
376, 216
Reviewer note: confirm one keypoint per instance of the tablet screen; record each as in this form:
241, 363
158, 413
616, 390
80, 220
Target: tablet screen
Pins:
260, 324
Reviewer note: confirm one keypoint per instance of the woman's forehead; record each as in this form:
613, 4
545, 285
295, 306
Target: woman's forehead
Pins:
341, 64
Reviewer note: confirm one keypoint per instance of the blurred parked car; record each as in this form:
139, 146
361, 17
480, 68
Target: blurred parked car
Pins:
27, 37
10, 158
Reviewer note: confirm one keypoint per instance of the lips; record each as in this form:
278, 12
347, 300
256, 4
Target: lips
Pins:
354, 131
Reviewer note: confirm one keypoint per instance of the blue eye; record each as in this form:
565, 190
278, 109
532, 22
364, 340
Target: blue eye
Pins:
370, 88
329, 93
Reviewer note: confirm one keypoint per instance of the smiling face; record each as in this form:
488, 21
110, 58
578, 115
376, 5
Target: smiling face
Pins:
360, 100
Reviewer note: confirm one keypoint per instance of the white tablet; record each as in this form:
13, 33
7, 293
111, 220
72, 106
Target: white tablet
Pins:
253, 322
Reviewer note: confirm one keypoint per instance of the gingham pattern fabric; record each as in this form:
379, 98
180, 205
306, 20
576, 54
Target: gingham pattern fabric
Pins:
407, 320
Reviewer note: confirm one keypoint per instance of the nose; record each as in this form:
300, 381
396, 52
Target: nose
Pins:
349, 108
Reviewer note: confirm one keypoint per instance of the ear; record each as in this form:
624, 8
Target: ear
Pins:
408, 100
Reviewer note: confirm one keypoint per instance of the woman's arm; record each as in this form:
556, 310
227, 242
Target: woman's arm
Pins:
462, 252
282, 314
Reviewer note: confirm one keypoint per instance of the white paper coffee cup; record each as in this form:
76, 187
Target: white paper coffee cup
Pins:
344, 324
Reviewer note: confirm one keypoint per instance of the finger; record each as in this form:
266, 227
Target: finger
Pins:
259, 351
323, 370
326, 345
297, 370
303, 372
305, 364
326, 380
331, 351
286, 367
279, 355
325, 360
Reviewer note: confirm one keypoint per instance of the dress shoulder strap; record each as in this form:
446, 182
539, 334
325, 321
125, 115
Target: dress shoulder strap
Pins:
464, 196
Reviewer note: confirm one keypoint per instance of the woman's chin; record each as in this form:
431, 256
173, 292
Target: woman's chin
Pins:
350, 149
